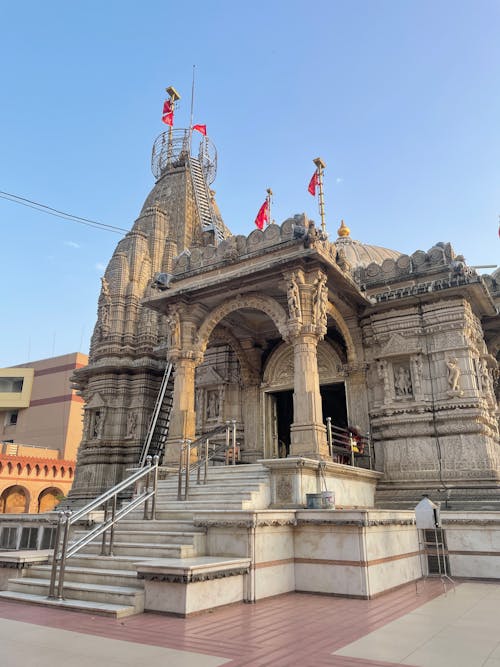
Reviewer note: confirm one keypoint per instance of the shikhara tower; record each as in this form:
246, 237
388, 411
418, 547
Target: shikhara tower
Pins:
283, 328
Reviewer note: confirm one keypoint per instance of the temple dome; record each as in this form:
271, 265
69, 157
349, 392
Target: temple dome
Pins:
361, 254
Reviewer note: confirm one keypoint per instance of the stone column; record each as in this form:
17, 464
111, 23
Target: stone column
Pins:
183, 416
308, 433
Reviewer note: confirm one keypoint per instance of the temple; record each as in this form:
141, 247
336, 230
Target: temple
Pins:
288, 333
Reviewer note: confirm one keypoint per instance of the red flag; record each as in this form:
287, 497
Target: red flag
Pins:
262, 215
168, 113
313, 184
201, 128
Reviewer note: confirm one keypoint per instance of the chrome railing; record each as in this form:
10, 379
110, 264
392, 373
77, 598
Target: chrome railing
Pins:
63, 549
204, 451
348, 445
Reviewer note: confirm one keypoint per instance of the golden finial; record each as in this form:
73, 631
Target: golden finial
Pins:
343, 230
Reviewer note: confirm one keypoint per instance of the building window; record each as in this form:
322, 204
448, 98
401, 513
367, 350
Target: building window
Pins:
29, 538
10, 385
12, 418
8, 539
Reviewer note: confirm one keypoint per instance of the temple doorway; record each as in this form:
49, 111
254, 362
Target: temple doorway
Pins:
282, 419
334, 404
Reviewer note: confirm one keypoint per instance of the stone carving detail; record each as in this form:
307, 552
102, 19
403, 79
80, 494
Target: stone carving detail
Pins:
131, 424
97, 424
320, 300
213, 405
454, 377
402, 382
174, 330
293, 297
485, 381
103, 310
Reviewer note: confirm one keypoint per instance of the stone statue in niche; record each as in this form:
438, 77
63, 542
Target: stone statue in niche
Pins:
454, 374
293, 297
320, 300
131, 424
402, 382
212, 405
97, 425
174, 330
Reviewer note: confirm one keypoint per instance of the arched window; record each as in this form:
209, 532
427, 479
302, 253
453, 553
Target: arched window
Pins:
49, 498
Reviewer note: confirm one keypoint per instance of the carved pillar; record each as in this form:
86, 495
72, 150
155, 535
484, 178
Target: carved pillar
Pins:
183, 416
308, 433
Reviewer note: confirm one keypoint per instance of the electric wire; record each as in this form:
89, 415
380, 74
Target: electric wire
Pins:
43, 208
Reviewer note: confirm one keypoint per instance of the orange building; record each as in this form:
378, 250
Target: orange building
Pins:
40, 430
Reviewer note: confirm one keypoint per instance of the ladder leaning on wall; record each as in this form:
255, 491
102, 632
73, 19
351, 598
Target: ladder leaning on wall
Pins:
154, 444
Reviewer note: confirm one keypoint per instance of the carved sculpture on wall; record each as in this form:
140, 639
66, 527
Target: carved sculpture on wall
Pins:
103, 309
320, 300
485, 377
213, 404
174, 329
97, 424
402, 382
454, 375
293, 297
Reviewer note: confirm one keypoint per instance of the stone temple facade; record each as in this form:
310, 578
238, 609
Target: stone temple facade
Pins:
279, 330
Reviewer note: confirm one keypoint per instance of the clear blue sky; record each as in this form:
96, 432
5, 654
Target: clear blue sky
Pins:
400, 98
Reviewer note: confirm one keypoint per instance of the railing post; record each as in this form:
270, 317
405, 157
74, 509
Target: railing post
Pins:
112, 530
234, 442
179, 480
188, 459
205, 472
369, 441
156, 460
351, 445
64, 549
104, 535
146, 504
228, 424
53, 572
329, 434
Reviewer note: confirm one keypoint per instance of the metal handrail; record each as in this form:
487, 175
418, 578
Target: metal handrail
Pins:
156, 412
341, 441
203, 457
63, 551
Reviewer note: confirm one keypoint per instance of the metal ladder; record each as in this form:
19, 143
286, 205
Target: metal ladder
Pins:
154, 445
209, 220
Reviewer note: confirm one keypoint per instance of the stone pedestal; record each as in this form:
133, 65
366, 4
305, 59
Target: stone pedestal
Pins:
183, 416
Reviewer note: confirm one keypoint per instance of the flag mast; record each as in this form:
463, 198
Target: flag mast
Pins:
192, 111
173, 97
320, 165
269, 199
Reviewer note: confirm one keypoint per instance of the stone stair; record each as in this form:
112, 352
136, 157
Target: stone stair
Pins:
109, 585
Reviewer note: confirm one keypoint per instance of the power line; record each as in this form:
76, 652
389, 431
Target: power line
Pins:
29, 203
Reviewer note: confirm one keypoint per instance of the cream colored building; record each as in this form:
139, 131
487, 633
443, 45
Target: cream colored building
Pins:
40, 431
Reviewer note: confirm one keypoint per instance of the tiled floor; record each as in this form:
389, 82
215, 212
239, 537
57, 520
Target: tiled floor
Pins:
420, 627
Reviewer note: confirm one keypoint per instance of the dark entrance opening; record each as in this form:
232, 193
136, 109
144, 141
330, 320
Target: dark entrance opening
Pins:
284, 419
334, 404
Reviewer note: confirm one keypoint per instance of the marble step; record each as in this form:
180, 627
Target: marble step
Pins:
146, 550
164, 525
195, 537
89, 607
126, 596
89, 575
195, 505
117, 562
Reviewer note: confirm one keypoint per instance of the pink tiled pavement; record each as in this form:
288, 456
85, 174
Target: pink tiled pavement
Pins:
293, 629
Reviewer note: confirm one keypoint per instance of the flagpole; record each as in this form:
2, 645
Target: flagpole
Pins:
320, 165
173, 97
268, 198
192, 112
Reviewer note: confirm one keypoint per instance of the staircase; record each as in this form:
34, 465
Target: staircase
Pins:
109, 585
208, 218
154, 444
